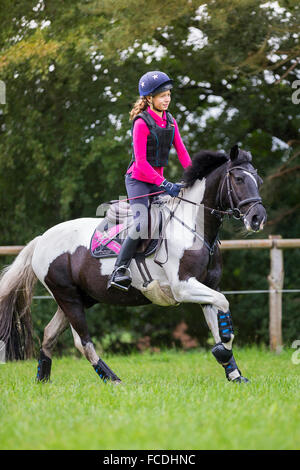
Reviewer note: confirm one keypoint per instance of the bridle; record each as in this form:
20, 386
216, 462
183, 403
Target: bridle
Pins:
226, 183
235, 210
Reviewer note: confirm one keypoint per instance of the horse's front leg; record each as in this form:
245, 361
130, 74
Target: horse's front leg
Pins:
192, 291
218, 317
220, 324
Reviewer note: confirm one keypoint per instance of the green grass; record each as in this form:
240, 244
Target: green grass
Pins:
169, 400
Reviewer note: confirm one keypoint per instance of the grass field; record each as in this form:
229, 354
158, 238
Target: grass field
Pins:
169, 400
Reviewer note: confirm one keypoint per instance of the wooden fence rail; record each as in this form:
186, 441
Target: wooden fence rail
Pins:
275, 278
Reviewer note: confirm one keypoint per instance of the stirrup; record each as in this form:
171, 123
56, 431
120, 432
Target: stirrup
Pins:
123, 282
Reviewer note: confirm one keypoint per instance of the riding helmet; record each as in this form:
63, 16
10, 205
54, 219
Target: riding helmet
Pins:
152, 83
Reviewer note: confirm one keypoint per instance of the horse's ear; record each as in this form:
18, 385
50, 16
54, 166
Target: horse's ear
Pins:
234, 152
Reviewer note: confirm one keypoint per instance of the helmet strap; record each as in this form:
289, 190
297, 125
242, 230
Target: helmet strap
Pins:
155, 108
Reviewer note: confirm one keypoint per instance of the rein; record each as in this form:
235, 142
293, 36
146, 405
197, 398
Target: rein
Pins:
234, 211
130, 198
217, 212
171, 215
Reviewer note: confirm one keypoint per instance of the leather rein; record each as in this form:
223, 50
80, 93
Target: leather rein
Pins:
234, 211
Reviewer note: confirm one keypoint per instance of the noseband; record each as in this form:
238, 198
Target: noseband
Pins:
231, 193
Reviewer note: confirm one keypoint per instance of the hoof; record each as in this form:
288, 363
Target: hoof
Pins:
44, 368
116, 382
241, 379
105, 373
43, 381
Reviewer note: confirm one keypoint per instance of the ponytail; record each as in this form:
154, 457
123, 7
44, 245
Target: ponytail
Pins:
140, 105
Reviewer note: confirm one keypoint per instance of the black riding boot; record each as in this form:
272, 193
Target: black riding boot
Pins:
121, 276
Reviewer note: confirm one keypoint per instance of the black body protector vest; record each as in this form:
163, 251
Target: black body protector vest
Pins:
159, 141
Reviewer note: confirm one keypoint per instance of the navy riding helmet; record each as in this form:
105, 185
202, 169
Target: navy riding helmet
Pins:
152, 83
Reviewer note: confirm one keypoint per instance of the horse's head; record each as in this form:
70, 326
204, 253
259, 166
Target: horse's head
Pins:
240, 190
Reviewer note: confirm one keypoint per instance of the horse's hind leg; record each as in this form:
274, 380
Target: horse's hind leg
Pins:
60, 281
53, 330
74, 311
91, 355
220, 324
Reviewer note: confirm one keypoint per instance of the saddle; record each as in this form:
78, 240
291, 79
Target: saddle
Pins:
109, 235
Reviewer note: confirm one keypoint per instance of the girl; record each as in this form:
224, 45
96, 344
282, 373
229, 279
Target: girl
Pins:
154, 130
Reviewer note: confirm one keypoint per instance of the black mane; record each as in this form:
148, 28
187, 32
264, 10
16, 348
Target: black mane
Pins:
203, 163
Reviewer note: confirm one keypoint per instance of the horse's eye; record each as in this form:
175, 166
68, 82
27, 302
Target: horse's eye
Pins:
239, 180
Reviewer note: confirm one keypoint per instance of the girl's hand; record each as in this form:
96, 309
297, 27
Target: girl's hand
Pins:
172, 189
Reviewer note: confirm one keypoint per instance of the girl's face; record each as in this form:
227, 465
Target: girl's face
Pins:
162, 100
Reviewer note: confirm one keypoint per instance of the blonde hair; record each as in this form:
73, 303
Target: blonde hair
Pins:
140, 105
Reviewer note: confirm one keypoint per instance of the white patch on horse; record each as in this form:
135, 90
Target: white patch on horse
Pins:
52, 331
62, 238
211, 317
249, 174
234, 374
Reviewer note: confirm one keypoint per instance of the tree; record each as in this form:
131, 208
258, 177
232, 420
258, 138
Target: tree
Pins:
71, 71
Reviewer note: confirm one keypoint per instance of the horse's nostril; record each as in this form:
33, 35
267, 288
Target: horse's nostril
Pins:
255, 222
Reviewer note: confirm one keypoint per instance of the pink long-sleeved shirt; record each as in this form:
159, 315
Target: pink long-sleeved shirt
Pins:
141, 168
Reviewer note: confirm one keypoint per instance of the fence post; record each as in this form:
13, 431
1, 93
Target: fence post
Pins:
275, 279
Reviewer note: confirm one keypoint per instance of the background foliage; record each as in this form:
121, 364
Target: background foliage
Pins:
71, 70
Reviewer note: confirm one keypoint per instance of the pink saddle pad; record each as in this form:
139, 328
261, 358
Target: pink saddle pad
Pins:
100, 238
